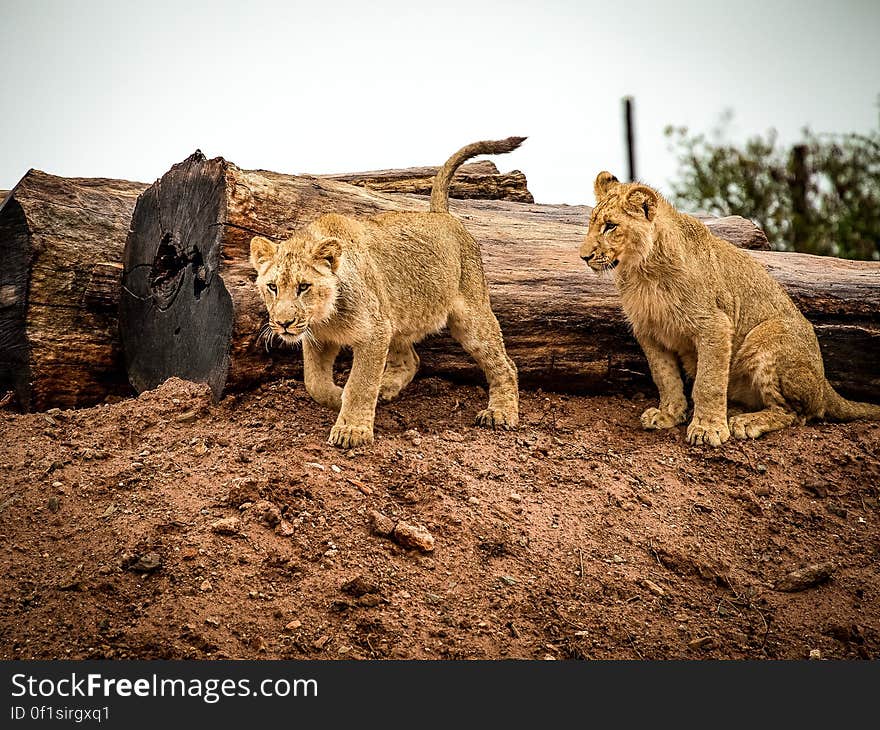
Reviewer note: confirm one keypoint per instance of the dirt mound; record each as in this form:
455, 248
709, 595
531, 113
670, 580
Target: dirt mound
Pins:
169, 526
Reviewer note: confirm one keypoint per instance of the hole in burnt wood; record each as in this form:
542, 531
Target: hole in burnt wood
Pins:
166, 273
168, 270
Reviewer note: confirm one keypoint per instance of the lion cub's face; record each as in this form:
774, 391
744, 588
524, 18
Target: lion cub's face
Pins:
621, 230
297, 281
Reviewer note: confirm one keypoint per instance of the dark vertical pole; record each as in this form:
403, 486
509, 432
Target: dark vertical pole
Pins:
798, 184
629, 129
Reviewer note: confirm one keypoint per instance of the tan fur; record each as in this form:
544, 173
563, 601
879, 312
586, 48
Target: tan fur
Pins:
697, 301
379, 285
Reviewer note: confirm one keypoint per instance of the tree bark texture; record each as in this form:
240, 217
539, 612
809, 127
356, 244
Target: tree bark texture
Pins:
475, 181
58, 346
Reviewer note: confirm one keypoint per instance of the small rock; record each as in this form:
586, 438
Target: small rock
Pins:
212, 622
412, 435
761, 468
226, 526
380, 524
335, 468
267, 512
137, 465
514, 497
293, 625
56, 485
762, 490
246, 491
54, 504
413, 536
205, 586
818, 488
73, 581
358, 586
321, 642
509, 579
284, 529
815, 654
187, 416
362, 488
473, 501
653, 587
803, 578
702, 642
147, 563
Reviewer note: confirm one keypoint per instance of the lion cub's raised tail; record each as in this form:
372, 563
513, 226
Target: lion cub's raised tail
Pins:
838, 408
440, 189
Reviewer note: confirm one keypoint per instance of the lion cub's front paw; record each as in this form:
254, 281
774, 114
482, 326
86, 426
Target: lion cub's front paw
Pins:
349, 437
496, 418
654, 418
709, 432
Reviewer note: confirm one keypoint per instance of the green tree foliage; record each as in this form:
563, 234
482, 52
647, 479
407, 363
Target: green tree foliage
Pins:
820, 196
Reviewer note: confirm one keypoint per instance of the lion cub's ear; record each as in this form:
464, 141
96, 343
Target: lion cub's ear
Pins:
327, 252
262, 251
604, 182
641, 200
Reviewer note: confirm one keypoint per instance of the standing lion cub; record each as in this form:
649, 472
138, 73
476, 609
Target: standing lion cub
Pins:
698, 300
379, 285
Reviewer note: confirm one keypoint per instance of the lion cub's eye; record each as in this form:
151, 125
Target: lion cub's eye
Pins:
303, 287
609, 226
271, 287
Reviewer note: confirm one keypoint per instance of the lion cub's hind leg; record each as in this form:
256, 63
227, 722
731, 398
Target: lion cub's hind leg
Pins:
757, 423
400, 368
785, 377
475, 328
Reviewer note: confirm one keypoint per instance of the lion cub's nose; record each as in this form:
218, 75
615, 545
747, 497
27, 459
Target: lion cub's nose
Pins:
587, 258
285, 325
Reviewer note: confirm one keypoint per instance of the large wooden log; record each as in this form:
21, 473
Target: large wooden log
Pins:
190, 309
57, 346
475, 181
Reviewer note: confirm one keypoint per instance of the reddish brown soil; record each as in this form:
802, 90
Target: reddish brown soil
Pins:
578, 536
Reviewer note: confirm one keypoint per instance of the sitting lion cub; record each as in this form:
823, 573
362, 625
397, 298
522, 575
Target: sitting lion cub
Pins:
695, 299
378, 285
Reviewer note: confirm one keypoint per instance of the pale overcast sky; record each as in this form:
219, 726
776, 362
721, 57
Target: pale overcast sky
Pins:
125, 89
